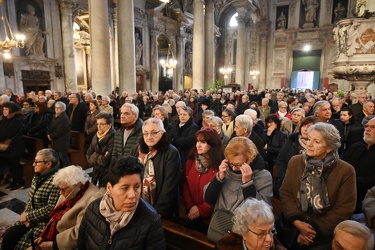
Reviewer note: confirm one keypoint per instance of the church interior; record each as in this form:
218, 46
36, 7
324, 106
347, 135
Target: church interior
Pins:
81, 45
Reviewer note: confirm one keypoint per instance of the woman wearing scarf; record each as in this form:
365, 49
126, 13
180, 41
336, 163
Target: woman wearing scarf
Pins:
319, 189
122, 219
294, 145
90, 123
162, 166
201, 168
100, 151
76, 192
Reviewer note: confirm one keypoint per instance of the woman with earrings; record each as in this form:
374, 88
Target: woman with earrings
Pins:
201, 167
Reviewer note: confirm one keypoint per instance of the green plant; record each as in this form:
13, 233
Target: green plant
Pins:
216, 86
340, 93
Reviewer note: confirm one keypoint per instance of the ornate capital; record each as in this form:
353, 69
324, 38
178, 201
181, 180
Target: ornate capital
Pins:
66, 6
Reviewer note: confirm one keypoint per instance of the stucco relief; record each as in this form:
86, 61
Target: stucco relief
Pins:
279, 60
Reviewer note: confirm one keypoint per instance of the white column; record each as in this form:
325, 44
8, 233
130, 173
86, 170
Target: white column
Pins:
240, 55
248, 79
198, 45
263, 59
209, 41
126, 44
100, 53
154, 61
115, 31
181, 62
70, 75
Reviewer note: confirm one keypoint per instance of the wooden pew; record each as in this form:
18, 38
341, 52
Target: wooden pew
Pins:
77, 149
33, 146
181, 237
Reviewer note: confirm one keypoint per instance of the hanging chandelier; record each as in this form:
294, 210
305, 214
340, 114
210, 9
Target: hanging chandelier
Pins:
254, 73
10, 41
225, 71
170, 62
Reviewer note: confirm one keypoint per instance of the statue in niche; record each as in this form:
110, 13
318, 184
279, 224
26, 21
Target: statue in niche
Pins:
138, 49
29, 24
281, 21
340, 12
311, 7
188, 57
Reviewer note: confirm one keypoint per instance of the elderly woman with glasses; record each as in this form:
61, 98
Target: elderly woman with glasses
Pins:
201, 168
319, 189
253, 228
241, 175
76, 192
228, 117
162, 168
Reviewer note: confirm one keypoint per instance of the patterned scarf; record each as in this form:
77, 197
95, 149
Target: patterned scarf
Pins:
202, 164
116, 219
313, 190
149, 182
101, 136
49, 232
302, 144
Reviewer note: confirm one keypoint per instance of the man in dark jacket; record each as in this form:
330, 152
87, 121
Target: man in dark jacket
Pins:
130, 132
77, 113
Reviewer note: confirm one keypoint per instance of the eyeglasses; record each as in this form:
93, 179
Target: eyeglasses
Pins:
152, 133
102, 124
264, 235
225, 116
63, 189
370, 126
36, 162
237, 165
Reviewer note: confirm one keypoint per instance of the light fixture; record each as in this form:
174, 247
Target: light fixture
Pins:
225, 71
254, 73
10, 40
307, 47
164, 1
170, 63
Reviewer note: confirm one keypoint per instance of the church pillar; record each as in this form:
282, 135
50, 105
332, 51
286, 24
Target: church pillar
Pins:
209, 77
198, 46
247, 58
126, 44
263, 59
115, 47
70, 74
181, 61
154, 61
240, 55
100, 53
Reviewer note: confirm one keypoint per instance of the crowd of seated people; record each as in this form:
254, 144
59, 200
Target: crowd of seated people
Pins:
177, 137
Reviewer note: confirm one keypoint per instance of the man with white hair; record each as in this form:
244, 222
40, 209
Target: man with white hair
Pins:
352, 235
258, 129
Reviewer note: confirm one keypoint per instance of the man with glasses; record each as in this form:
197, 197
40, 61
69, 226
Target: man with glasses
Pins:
361, 156
43, 196
129, 133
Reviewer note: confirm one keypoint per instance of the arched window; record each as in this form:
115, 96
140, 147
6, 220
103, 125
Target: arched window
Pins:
233, 21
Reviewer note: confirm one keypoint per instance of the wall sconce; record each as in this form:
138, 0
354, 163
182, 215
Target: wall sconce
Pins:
58, 70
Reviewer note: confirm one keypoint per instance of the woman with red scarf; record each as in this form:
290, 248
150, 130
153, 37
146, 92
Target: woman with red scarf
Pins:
76, 193
201, 168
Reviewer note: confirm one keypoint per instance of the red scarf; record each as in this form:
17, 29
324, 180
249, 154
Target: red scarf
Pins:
49, 232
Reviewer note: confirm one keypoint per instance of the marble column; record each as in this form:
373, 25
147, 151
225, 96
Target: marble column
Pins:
100, 53
209, 76
154, 61
181, 62
240, 55
198, 46
126, 44
116, 46
262, 60
70, 74
2, 77
248, 79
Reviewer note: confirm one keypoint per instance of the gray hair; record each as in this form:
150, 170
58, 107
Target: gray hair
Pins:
187, 109
318, 105
106, 98
245, 121
330, 134
217, 120
156, 121
282, 103
71, 175
367, 119
357, 230
51, 101
49, 155
249, 212
4, 98
133, 108
61, 104
105, 115
207, 112
163, 110
298, 109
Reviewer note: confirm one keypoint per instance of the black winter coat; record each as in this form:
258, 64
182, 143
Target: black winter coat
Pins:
290, 149
79, 116
59, 130
184, 138
99, 157
144, 230
39, 125
12, 128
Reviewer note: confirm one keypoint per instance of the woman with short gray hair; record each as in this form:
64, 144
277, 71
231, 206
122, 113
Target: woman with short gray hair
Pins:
319, 189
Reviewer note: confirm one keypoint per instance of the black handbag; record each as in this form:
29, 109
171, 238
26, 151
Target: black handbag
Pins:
220, 224
287, 234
